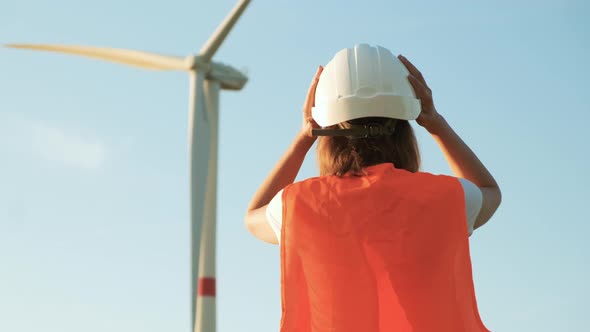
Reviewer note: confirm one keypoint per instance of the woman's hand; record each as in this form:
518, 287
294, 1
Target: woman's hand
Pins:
308, 122
429, 118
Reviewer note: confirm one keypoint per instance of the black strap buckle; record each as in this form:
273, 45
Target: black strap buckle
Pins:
374, 130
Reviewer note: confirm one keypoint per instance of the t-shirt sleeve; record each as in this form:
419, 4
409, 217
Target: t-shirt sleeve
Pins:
274, 214
473, 201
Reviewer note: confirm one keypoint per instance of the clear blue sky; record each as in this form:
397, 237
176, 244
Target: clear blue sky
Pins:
94, 176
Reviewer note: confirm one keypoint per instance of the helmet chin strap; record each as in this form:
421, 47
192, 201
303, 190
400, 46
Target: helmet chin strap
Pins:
357, 131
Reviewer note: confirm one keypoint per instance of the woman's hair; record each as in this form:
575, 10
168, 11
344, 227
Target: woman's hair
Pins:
339, 155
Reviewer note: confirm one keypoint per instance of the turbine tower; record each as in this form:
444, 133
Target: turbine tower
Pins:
207, 78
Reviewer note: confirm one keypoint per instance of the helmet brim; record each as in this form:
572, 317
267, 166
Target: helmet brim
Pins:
340, 110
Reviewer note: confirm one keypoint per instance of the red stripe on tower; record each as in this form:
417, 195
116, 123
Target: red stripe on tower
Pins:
206, 286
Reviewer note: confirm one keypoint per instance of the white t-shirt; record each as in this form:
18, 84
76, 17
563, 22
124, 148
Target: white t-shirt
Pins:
473, 201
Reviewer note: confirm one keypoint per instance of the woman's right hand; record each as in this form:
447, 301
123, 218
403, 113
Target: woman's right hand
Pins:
308, 122
429, 118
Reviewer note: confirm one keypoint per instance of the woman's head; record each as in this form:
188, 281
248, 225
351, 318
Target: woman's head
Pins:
360, 86
339, 155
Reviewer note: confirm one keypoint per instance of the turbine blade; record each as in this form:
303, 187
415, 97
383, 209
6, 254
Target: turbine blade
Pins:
212, 45
127, 57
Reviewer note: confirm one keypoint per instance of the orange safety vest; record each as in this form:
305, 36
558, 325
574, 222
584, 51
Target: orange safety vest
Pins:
387, 251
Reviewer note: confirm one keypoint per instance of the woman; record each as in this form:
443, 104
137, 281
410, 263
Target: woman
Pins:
373, 244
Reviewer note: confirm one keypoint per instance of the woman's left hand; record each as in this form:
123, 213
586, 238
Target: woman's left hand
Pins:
429, 118
308, 122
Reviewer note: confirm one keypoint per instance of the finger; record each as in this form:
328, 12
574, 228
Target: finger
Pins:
412, 69
423, 89
319, 71
315, 80
422, 92
310, 99
410, 66
315, 84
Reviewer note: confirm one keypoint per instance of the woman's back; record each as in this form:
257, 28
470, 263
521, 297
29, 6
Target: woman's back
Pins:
378, 252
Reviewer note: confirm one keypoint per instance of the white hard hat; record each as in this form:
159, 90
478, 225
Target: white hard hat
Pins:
364, 81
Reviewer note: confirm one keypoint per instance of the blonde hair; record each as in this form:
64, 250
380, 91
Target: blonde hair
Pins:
339, 155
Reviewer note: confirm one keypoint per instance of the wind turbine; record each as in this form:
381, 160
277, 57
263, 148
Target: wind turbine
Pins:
206, 79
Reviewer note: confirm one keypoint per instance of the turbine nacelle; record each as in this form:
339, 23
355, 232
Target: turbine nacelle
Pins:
229, 77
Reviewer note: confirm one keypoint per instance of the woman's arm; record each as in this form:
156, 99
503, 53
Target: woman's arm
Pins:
463, 162
283, 173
